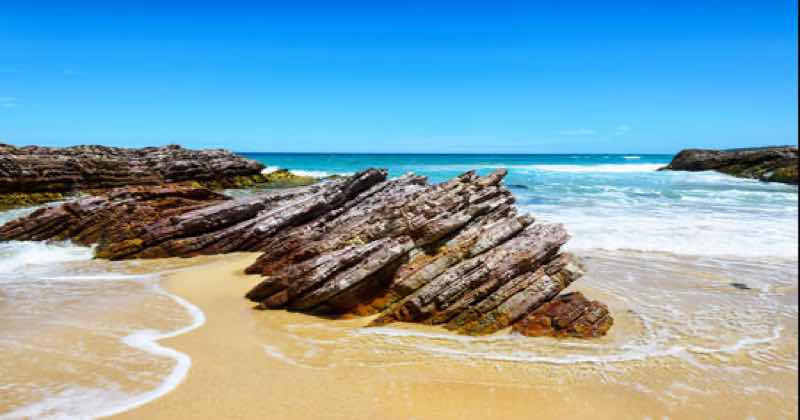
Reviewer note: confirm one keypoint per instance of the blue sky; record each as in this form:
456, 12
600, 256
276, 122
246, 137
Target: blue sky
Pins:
505, 77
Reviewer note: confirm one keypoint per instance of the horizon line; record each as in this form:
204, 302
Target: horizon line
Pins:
453, 154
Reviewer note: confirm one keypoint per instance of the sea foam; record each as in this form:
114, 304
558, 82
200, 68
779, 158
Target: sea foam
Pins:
27, 256
78, 402
147, 340
602, 168
58, 269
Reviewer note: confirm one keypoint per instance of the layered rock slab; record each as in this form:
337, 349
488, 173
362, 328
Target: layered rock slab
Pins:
774, 164
120, 213
35, 174
210, 224
454, 254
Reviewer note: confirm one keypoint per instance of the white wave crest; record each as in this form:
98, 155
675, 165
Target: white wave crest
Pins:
315, 174
18, 256
269, 169
305, 172
318, 174
541, 167
603, 168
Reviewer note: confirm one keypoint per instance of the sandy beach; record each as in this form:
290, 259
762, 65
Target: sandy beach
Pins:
281, 365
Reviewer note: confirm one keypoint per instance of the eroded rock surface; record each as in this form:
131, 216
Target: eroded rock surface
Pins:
106, 218
776, 164
454, 254
34, 174
568, 315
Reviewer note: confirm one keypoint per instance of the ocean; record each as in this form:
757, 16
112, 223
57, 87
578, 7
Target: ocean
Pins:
611, 201
663, 249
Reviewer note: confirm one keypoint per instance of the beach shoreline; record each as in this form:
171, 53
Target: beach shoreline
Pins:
233, 375
243, 365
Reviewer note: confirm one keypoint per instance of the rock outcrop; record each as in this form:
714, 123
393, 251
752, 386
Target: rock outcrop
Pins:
774, 164
454, 254
568, 315
121, 212
34, 174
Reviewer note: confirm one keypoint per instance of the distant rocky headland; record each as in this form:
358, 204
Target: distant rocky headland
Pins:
35, 174
455, 254
773, 164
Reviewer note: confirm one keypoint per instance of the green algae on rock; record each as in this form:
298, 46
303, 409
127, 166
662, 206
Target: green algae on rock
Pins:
23, 199
284, 178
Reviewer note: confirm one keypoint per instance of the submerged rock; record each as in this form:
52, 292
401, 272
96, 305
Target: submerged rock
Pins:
34, 174
454, 254
776, 164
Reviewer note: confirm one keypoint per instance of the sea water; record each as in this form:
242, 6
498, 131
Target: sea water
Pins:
662, 249
611, 201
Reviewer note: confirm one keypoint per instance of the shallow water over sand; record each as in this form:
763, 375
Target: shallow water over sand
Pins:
76, 334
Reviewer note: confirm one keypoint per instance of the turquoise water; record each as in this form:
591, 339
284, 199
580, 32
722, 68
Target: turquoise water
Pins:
611, 201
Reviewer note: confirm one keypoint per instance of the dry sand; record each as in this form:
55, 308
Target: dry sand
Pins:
280, 365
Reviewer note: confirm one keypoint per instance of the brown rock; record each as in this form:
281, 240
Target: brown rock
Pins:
569, 315
111, 218
32, 173
777, 164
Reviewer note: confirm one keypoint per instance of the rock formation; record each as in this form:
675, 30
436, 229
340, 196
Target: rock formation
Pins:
35, 174
119, 213
776, 164
568, 315
455, 254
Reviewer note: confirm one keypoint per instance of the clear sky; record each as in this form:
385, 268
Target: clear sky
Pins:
506, 77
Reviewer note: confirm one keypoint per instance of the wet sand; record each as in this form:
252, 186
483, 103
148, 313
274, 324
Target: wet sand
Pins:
280, 365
